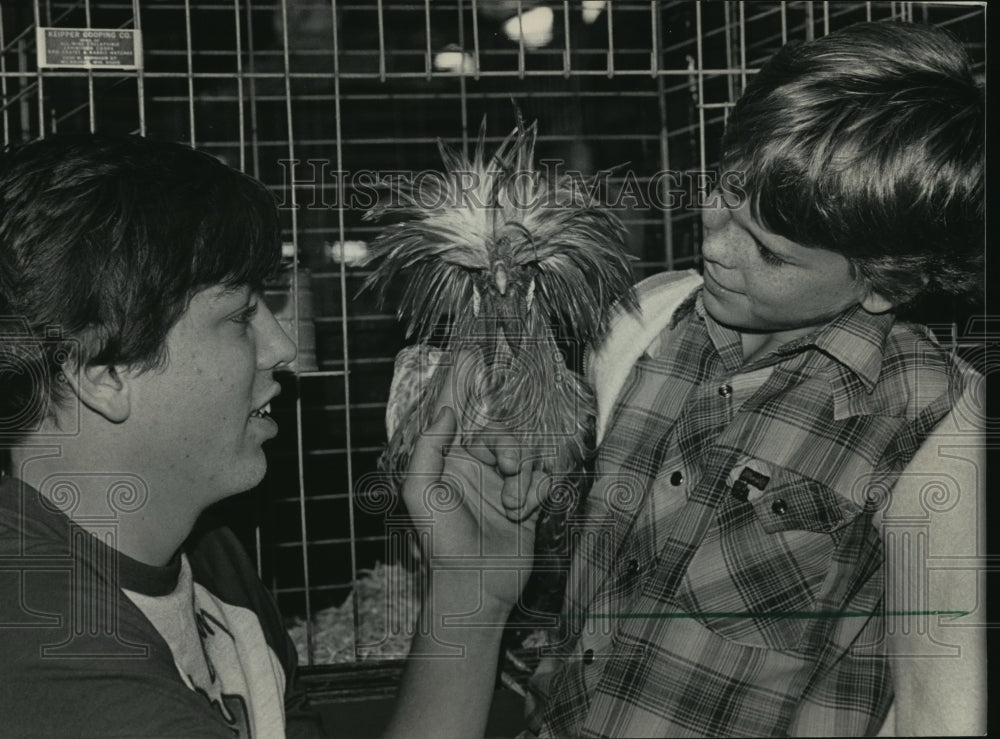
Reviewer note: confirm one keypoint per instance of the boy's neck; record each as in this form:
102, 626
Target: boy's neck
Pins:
148, 528
757, 345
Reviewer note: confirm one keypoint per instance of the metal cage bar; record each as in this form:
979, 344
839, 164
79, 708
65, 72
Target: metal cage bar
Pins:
346, 377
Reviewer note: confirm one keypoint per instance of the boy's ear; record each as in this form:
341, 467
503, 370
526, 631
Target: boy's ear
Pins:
873, 302
101, 388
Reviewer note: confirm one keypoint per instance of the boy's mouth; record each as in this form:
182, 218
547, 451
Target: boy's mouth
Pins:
711, 282
263, 412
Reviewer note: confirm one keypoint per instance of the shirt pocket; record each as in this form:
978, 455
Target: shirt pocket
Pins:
763, 564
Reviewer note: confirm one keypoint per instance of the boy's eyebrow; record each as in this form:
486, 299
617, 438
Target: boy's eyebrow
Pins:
219, 293
749, 224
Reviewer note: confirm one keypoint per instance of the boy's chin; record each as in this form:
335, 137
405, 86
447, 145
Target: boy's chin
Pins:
733, 319
245, 478
738, 320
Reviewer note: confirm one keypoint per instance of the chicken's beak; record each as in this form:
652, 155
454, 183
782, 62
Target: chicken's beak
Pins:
500, 277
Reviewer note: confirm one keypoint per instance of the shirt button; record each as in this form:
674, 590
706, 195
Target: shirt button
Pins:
725, 390
632, 568
676, 478
779, 506
588, 657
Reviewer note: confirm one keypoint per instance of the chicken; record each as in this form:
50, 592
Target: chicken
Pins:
506, 272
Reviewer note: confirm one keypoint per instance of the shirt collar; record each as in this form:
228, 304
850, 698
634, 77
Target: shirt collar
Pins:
40, 527
855, 340
726, 341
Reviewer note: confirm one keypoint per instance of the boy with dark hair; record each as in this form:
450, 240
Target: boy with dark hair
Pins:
784, 461
136, 361
137, 364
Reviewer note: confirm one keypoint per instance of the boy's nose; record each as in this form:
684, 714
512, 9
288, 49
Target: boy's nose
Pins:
716, 215
286, 351
715, 246
276, 348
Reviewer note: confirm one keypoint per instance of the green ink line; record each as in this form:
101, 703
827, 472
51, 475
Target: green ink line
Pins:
773, 614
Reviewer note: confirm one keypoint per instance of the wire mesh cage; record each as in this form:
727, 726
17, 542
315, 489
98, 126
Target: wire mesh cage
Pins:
322, 100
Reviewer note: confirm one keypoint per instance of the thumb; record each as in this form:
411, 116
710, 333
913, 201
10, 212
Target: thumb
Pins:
427, 459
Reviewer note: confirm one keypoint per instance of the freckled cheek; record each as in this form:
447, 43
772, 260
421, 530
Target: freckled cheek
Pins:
770, 293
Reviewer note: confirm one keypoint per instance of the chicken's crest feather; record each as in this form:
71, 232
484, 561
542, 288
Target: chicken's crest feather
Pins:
452, 225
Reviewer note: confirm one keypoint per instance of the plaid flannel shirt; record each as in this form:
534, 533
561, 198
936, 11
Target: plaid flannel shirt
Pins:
727, 579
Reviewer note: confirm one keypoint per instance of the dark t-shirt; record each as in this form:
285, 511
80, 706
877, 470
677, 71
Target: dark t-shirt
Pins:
95, 643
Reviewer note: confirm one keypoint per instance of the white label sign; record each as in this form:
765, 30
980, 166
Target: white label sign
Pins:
89, 48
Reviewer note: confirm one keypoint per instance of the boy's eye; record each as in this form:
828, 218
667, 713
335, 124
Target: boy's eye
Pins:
246, 315
768, 256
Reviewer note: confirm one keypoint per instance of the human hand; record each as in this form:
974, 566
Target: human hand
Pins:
474, 506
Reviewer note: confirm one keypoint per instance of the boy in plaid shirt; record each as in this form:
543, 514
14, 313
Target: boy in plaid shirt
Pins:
783, 534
